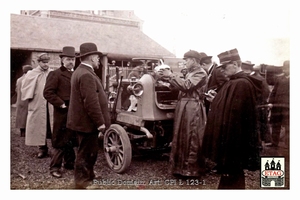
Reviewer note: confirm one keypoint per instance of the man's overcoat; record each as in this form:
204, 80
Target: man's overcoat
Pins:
280, 96
189, 122
38, 107
57, 92
230, 138
88, 107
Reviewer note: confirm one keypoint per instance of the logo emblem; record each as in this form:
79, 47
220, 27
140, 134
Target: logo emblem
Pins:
272, 172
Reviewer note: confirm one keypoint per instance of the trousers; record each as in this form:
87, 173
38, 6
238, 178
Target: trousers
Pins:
64, 155
86, 158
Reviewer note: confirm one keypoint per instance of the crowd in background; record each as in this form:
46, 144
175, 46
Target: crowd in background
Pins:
225, 113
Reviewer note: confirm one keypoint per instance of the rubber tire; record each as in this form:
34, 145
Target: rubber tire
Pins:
117, 161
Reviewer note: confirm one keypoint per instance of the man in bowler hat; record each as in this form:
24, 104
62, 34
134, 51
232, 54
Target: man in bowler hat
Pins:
57, 92
88, 113
247, 67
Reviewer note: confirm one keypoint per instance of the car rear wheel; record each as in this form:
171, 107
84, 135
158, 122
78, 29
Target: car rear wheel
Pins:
117, 148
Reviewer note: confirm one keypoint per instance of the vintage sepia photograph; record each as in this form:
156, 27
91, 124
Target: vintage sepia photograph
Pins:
160, 95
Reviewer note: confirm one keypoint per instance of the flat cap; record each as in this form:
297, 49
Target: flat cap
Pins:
43, 57
192, 54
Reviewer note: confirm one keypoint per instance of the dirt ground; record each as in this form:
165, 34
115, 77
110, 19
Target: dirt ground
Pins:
145, 172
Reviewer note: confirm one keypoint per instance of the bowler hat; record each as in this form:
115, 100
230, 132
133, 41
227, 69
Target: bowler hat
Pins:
26, 68
88, 49
228, 56
192, 54
43, 57
248, 63
247, 66
68, 51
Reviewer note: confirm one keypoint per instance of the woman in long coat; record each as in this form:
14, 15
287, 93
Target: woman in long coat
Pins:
190, 117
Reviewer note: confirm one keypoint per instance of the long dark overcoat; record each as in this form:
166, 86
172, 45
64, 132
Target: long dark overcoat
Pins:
186, 158
57, 92
88, 107
230, 137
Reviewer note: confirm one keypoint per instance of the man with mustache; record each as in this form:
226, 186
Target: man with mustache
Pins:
57, 92
88, 113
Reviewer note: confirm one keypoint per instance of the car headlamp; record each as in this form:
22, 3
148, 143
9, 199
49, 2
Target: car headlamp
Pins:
138, 89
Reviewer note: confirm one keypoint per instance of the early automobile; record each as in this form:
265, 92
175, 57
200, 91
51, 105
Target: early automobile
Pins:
142, 111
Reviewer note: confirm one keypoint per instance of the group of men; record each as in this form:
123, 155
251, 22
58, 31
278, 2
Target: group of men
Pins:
79, 106
216, 116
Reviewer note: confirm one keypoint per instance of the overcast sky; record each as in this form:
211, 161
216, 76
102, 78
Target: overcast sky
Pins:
260, 32
259, 29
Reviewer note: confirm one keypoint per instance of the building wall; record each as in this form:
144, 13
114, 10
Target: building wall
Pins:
121, 17
23, 57
54, 61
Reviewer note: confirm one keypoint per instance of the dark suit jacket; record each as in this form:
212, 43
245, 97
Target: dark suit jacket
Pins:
215, 78
280, 95
58, 87
88, 107
57, 91
214, 81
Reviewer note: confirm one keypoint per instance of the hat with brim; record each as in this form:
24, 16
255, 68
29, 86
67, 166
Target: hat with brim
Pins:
203, 56
247, 66
88, 49
247, 63
223, 64
228, 57
68, 51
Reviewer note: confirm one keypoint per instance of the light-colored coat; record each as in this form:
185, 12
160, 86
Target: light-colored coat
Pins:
32, 89
21, 106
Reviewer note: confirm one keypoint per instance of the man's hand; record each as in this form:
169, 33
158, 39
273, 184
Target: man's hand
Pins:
101, 130
63, 106
210, 95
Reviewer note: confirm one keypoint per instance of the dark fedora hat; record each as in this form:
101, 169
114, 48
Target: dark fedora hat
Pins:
68, 51
204, 56
228, 56
88, 49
